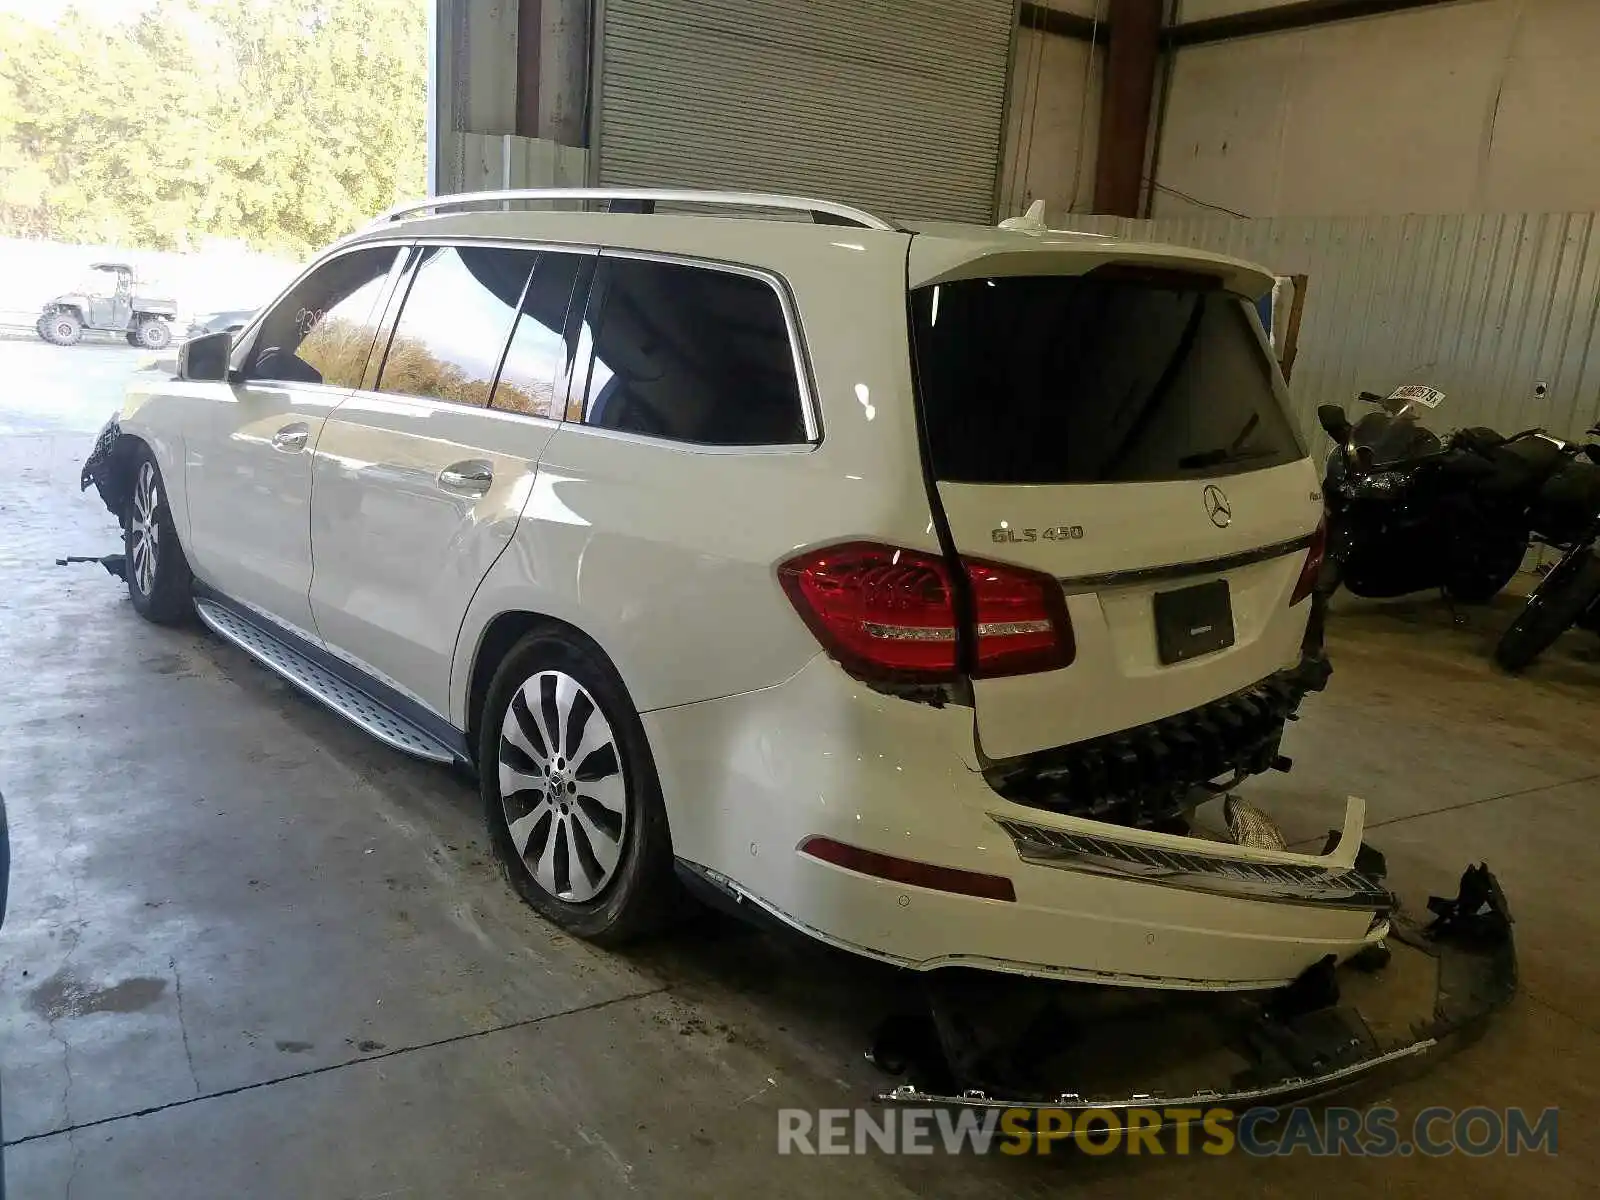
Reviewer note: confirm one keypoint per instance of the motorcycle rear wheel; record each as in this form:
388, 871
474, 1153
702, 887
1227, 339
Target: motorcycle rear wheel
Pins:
1560, 599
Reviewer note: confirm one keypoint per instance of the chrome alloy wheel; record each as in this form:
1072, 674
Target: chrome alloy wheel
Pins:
144, 540
562, 786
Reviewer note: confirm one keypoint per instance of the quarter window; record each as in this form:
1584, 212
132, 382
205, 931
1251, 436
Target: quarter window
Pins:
455, 321
693, 354
322, 331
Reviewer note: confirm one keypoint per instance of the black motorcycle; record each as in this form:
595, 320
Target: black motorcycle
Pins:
1570, 594
1409, 511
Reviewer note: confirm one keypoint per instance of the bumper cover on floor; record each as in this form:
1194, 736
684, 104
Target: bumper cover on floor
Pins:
986, 1044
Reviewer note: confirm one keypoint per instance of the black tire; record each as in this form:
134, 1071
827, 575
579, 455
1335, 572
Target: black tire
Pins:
153, 333
569, 833
132, 338
157, 572
61, 328
1553, 607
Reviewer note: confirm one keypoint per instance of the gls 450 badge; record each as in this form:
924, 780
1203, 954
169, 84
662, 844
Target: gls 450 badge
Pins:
1054, 533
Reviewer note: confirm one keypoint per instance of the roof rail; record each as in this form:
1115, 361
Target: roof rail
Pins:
823, 212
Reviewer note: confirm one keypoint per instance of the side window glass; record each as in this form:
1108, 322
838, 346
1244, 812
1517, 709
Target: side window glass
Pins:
534, 361
455, 322
322, 331
693, 354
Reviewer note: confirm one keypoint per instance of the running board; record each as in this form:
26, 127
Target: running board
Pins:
322, 684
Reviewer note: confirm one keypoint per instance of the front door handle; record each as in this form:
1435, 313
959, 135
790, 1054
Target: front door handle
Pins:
471, 477
291, 438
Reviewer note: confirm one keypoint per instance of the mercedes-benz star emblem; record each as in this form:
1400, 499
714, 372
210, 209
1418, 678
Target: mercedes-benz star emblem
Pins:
1217, 506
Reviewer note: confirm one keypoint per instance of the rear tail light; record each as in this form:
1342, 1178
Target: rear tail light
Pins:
888, 614
1307, 582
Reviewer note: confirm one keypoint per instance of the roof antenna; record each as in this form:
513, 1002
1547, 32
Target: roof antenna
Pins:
1031, 221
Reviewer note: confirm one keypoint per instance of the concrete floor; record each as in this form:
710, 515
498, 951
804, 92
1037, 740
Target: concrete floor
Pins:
251, 953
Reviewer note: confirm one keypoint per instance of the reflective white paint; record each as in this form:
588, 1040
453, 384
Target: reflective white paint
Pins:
748, 778
250, 496
399, 551
665, 555
1117, 680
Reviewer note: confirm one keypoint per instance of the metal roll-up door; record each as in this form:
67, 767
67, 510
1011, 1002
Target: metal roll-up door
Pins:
892, 106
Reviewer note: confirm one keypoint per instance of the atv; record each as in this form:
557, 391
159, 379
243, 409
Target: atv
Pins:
144, 320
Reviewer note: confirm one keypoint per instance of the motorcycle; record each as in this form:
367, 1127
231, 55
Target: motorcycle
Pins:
1409, 511
1569, 595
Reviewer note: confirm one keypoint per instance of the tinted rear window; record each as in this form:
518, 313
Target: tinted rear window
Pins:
1071, 379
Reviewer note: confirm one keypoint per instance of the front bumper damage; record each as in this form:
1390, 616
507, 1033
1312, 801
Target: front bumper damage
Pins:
985, 1043
101, 467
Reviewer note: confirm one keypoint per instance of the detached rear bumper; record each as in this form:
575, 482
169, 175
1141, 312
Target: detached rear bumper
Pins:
1330, 1030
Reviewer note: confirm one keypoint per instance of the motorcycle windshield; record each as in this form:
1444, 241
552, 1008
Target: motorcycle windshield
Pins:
1393, 439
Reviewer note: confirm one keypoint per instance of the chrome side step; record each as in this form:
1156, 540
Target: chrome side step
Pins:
322, 684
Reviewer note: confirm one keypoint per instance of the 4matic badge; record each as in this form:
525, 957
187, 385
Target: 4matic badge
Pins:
1052, 533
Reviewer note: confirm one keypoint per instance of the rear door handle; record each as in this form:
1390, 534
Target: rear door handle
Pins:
470, 477
291, 437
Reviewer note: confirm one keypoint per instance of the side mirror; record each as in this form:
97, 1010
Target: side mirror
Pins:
1334, 423
205, 358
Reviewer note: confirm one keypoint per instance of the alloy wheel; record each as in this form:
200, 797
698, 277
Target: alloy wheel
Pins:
144, 532
562, 786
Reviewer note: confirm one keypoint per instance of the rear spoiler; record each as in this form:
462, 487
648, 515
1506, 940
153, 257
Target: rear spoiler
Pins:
942, 259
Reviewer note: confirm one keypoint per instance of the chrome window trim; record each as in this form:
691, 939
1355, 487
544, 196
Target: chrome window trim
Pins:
650, 439
1075, 584
407, 398
485, 244
245, 344
810, 409
810, 414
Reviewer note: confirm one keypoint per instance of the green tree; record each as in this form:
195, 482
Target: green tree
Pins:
281, 122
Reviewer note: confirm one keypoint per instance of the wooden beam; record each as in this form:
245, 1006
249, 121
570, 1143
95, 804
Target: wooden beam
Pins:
1303, 14
1129, 90
529, 25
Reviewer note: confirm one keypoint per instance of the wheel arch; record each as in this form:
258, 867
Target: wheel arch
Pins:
168, 452
118, 486
497, 638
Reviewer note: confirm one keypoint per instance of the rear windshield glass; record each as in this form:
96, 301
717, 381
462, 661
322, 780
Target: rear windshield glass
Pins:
1073, 379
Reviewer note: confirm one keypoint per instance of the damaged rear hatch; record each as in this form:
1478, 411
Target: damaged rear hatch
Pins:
1111, 419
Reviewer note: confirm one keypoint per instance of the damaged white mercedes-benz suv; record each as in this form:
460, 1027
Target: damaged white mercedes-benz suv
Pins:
911, 585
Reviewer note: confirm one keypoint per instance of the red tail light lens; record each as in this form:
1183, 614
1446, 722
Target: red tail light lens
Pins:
1307, 582
887, 614
1022, 620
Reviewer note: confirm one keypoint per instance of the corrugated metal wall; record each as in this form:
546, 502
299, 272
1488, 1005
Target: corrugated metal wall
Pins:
1482, 307
896, 104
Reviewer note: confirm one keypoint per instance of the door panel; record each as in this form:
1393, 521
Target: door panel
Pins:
249, 502
249, 479
418, 485
655, 522
400, 545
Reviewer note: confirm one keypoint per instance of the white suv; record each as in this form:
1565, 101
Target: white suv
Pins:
911, 584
